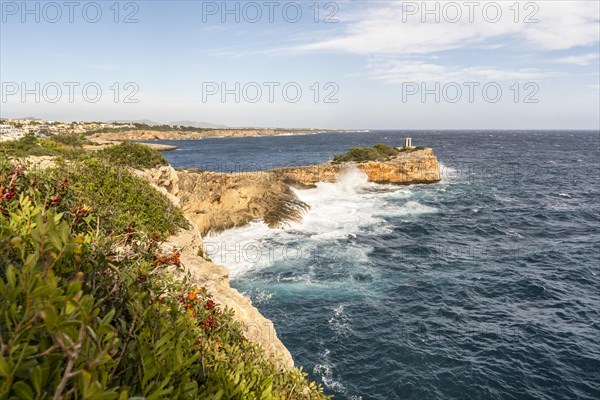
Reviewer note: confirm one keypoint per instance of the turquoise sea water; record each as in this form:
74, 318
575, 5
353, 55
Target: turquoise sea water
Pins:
483, 286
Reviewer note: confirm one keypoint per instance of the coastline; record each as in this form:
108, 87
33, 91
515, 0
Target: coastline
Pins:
214, 202
151, 135
102, 144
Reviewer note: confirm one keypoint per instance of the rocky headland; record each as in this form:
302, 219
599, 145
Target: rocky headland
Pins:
214, 201
417, 165
150, 134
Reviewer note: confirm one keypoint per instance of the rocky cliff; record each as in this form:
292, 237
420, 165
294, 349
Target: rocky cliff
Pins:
215, 278
217, 201
408, 167
213, 202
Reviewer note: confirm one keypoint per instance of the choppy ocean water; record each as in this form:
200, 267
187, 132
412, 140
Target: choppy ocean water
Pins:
483, 286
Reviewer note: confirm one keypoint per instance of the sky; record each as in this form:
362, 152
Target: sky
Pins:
343, 64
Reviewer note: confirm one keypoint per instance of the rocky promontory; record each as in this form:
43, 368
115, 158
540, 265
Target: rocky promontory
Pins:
418, 165
215, 201
151, 134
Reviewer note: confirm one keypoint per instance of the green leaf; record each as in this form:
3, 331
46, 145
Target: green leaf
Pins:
23, 391
36, 379
108, 317
10, 276
73, 288
4, 367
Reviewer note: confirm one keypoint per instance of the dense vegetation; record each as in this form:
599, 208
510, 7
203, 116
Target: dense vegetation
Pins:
32, 146
69, 146
133, 155
146, 127
379, 152
90, 307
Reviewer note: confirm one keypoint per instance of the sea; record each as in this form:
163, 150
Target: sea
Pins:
485, 285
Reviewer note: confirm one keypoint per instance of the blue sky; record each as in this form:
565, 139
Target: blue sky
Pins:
357, 64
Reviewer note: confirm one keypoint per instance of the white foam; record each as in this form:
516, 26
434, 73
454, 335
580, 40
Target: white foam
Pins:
325, 370
338, 211
449, 174
399, 194
339, 322
409, 208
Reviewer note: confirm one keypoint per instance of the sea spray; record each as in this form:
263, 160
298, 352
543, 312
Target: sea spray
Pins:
338, 211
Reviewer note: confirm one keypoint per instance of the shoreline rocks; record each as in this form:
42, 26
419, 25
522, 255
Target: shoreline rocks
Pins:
102, 144
215, 201
146, 135
417, 166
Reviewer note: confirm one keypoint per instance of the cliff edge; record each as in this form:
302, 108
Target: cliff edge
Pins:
410, 166
215, 201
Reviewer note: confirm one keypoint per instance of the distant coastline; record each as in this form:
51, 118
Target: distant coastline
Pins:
150, 135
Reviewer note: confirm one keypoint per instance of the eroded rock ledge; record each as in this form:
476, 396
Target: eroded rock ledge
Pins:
215, 278
410, 167
216, 201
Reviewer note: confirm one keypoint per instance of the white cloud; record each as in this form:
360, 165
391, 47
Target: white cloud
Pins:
583, 60
389, 29
399, 71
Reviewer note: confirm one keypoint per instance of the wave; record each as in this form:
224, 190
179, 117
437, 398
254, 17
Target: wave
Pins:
338, 213
449, 174
324, 369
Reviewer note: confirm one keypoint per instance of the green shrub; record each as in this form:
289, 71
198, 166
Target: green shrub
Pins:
32, 146
69, 139
379, 152
26, 146
78, 322
385, 150
120, 200
133, 155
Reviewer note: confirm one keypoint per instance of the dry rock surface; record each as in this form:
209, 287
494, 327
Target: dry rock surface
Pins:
417, 166
215, 278
199, 134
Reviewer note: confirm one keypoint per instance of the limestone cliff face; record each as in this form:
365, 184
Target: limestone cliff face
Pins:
215, 278
417, 166
217, 201
214, 201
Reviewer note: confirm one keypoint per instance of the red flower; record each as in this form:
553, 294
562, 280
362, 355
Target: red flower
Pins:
209, 305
